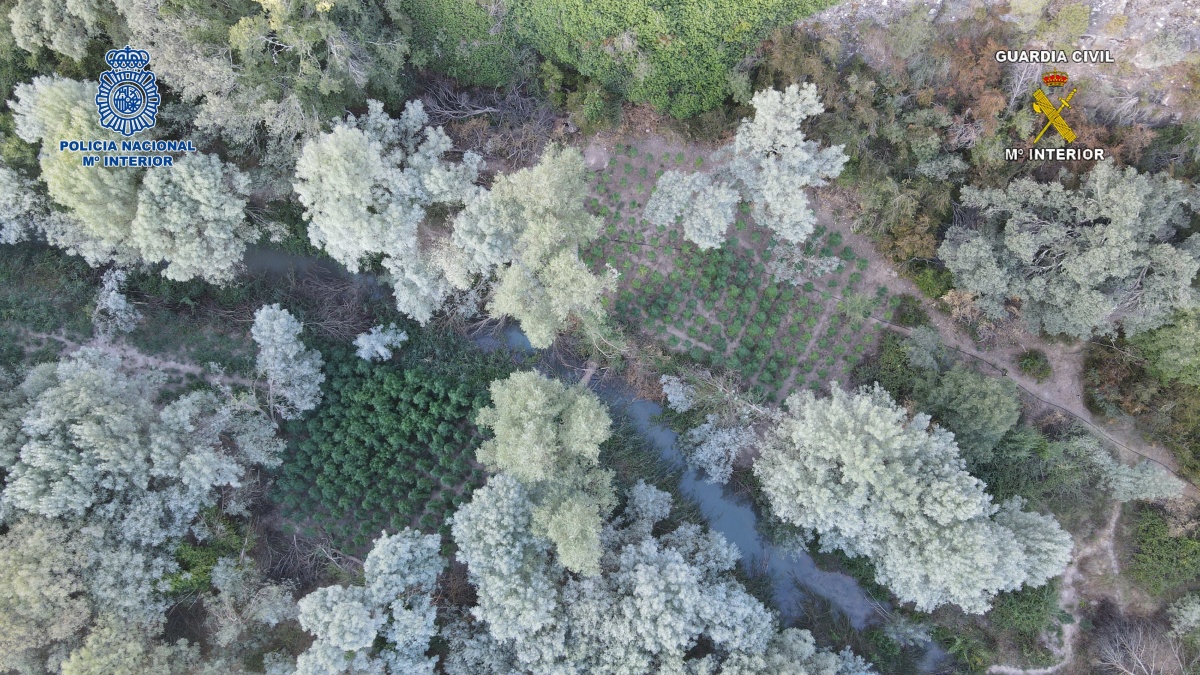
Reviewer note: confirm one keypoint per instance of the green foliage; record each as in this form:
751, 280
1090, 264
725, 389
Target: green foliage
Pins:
979, 409
1173, 351
1035, 364
386, 435
890, 368
909, 312
1067, 25
197, 560
1118, 383
1027, 613
1162, 562
1112, 253
933, 282
676, 57
45, 290
455, 37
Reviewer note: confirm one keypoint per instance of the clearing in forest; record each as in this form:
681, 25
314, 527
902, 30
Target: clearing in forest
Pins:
722, 307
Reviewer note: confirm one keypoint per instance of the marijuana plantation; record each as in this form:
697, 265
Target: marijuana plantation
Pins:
554, 337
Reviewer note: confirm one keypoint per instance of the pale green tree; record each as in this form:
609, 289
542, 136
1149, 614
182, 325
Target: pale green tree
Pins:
547, 435
22, 209
44, 608
769, 164
379, 342
1173, 351
1081, 261
126, 476
393, 609
116, 646
64, 26
292, 372
705, 209
113, 313
1145, 480
713, 447
530, 226
1184, 614
102, 200
191, 216
680, 395
242, 608
855, 469
654, 601
366, 186
772, 160
265, 76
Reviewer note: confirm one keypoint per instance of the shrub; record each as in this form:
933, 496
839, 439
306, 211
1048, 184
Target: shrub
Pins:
1162, 562
1034, 363
456, 39
934, 283
909, 312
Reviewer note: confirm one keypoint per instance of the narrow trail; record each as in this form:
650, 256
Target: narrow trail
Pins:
135, 360
1063, 390
1068, 598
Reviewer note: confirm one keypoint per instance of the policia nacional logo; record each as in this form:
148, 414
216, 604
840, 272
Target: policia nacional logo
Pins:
128, 97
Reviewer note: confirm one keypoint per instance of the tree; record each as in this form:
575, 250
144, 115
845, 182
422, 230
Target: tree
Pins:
293, 373
1145, 480
126, 478
265, 76
43, 601
1174, 349
772, 161
379, 342
768, 164
978, 409
393, 608
116, 646
189, 216
113, 313
857, 471
714, 448
243, 606
534, 221
680, 395
58, 25
1081, 261
24, 212
102, 201
706, 209
192, 217
655, 598
366, 186
547, 435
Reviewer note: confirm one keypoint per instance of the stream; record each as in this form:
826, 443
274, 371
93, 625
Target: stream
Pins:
792, 573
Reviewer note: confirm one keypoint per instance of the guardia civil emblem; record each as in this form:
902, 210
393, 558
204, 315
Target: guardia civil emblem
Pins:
128, 97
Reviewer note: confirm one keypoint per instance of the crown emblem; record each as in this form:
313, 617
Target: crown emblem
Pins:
127, 99
1054, 78
127, 58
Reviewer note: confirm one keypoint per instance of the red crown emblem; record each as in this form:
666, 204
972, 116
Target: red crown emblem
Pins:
1054, 78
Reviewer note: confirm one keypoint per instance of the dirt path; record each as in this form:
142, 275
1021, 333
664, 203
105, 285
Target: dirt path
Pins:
1068, 597
135, 360
1062, 390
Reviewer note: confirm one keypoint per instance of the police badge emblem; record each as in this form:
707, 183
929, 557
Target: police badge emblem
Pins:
128, 97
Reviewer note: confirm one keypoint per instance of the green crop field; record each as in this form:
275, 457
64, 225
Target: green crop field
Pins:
721, 306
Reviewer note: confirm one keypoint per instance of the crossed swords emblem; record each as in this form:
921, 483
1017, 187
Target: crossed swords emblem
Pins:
1042, 104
